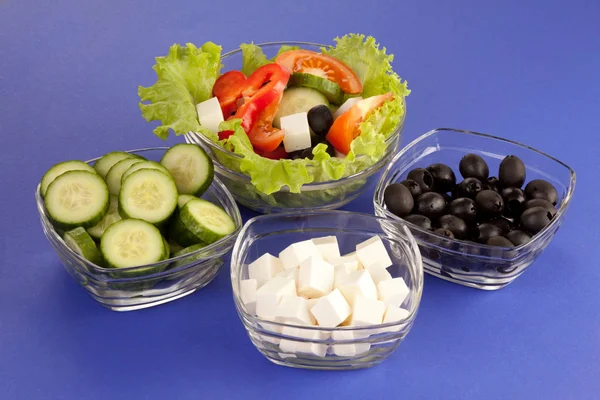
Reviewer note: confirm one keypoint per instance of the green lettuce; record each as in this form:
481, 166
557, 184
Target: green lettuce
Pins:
253, 56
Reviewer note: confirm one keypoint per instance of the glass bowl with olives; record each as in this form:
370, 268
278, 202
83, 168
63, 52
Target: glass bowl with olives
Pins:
481, 208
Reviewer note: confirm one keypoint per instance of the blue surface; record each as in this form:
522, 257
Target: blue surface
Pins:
528, 71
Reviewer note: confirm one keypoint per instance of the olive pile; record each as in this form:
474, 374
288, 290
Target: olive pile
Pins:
480, 208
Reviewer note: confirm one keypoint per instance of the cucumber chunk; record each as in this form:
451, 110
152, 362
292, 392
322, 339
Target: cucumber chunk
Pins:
330, 89
183, 199
148, 194
296, 100
206, 221
106, 162
82, 243
190, 259
178, 232
61, 168
110, 218
174, 247
115, 173
77, 198
191, 168
142, 165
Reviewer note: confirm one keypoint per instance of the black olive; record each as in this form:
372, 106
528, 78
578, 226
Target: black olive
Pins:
492, 184
301, 154
499, 241
514, 201
444, 232
541, 203
541, 189
422, 177
443, 177
464, 208
320, 119
473, 166
535, 219
413, 186
315, 139
419, 220
502, 223
483, 232
447, 198
398, 199
431, 205
489, 204
469, 187
511, 172
518, 237
456, 225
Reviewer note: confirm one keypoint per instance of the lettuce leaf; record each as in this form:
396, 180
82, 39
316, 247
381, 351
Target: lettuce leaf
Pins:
253, 56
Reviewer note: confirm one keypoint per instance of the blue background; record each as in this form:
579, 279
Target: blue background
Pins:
69, 72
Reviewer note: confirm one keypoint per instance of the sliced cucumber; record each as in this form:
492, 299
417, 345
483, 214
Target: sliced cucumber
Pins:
148, 194
142, 165
82, 243
191, 168
105, 163
206, 221
174, 247
61, 168
115, 173
296, 100
132, 242
330, 89
180, 233
167, 248
110, 218
187, 260
77, 198
183, 199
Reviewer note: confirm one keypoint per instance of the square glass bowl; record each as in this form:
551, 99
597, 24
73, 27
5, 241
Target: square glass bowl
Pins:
470, 264
144, 286
339, 348
313, 196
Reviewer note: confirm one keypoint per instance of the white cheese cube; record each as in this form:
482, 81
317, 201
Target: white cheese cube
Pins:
346, 106
351, 258
315, 277
341, 272
372, 253
328, 248
379, 274
294, 310
393, 314
248, 295
270, 328
331, 310
291, 273
269, 295
210, 114
264, 268
359, 283
294, 346
310, 303
393, 292
296, 132
343, 350
295, 253
367, 311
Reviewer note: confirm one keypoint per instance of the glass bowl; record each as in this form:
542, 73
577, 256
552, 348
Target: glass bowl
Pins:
470, 264
133, 288
368, 345
314, 196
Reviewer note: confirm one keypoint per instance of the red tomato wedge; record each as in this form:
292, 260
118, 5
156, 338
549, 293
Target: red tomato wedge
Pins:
347, 126
322, 65
263, 135
228, 89
276, 154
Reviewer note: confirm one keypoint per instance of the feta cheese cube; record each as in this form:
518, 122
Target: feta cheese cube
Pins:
393, 314
379, 274
393, 291
351, 259
310, 303
359, 283
295, 346
264, 268
328, 248
294, 310
291, 273
372, 253
269, 295
331, 310
346, 106
295, 253
248, 295
367, 311
350, 349
315, 277
296, 132
210, 114
341, 274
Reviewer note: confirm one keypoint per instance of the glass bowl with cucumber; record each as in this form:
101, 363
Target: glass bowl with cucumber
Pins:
139, 228
289, 125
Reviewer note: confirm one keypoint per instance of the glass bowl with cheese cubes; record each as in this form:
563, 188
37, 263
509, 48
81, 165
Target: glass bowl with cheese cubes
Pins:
292, 178
326, 289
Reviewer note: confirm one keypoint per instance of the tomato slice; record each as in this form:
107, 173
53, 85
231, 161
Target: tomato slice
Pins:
347, 126
228, 89
311, 62
263, 135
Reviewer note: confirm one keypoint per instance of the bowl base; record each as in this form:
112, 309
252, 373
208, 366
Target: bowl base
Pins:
492, 284
263, 208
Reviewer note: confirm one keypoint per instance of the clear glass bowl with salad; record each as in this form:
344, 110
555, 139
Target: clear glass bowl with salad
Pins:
301, 125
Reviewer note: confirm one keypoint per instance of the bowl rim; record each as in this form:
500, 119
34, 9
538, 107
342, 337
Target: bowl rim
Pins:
564, 204
237, 218
235, 267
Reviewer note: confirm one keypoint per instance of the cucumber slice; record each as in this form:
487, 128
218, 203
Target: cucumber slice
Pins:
106, 162
115, 173
61, 168
187, 260
296, 100
77, 198
180, 233
330, 89
167, 248
191, 168
206, 221
82, 243
110, 218
148, 194
183, 199
132, 242
174, 247
142, 165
